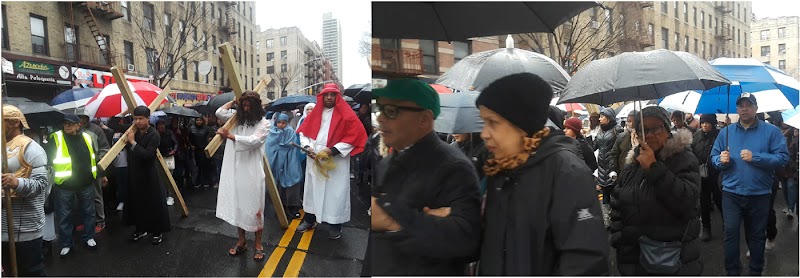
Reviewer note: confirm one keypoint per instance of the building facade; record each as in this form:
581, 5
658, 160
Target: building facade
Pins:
776, 41
165, 43
424, 59
332, 42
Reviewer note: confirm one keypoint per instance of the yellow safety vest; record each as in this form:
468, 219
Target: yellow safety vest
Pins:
62, 163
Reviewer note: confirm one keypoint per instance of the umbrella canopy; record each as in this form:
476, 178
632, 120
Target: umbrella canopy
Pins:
792, 117
361, 93
477, 71
626, 109
458, 114
290, 102
754, 76
641, 76
37, 113
109, 102
219, 100
181, 111
202, 107
458, 21
73, 98
719, 101
442, 89
570, 107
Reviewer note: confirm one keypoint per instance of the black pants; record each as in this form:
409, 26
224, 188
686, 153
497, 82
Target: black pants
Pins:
709, 191
772, 221
205, 169
30, 259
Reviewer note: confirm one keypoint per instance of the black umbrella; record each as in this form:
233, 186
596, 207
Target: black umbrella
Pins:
219, 100
290, 102
458, 114
641, 76
475, 72
361, 93
458, 21
181, 111
37, 113
202, 108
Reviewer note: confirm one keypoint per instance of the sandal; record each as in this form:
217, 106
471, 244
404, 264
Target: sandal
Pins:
237, 250
256, 256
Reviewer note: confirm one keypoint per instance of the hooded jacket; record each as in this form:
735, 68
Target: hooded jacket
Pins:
661, 203
543, 218
604, 144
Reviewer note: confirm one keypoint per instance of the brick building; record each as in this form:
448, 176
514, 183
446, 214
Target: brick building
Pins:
776, 41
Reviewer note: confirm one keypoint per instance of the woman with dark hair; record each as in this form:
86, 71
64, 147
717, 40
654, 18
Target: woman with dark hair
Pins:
572, 129
654, 214
242, 191
542, 216
606, 161
710, 192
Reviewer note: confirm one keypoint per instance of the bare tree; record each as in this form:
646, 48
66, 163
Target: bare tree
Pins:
365, 44
285, 75
181, 32
583, 38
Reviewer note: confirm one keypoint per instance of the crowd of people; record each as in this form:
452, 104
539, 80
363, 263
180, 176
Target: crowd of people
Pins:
521, 197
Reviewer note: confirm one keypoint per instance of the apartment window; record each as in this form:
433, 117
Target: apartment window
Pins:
194, 32
745, 15
222, 76
429, 56
148, 16
251, 37
694, 15
258, 45
283, 55
39, 35
270, 56
781, 32
677, 13
610, 20
782, 64
184, 65
595, 54
764, 34
782, 48
461, 50
711, 50
703, 51
126, 12
128, 53
650, 30
181, 28
196, 71
686, 43
270, 69
251, 60
594, 14
710, 20
151, 61
716, 26
739, 36
695, 46
283, 40
219, 15
765, 51
244, 33
258, 58
284, 68
215, 73
269, 43
71, 40
686, 12
203, 11
245, 58
212, 10
213, 39
170, 58
251, 13
167, 26
677, 41
665, 38
664, 6
703, 20
258, 71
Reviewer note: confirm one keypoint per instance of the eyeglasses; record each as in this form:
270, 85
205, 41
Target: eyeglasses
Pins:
654, 131
391, 111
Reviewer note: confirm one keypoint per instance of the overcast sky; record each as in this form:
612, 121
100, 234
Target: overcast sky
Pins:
353, 15
776, 8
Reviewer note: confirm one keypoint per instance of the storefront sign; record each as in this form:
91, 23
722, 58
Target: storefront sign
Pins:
87, 78
190, 96
34, 67
24, 70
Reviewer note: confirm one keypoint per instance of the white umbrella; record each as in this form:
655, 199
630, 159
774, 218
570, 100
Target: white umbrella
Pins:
697, 103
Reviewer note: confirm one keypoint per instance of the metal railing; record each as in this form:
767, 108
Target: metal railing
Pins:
91, 55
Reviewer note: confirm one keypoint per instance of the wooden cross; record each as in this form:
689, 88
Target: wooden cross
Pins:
127, 95
12, 246
231, 67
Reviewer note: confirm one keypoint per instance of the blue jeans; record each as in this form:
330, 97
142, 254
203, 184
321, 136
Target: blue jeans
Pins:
122, 183
790, 193
64, 203
753, 210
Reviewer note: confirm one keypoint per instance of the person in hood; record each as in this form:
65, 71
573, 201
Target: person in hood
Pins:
606, 161
625, 142
285, 164
541, 216
572, 129
678, 119
702, 143
334, 129
656, 200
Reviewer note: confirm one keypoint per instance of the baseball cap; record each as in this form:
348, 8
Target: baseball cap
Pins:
72, 118
411, 90
747, 96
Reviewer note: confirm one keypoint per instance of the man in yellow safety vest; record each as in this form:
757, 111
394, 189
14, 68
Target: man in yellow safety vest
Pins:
72, 154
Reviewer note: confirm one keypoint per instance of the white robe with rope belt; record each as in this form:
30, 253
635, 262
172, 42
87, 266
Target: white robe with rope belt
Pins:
327, 198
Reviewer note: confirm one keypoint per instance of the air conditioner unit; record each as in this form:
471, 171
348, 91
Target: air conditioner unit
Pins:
595, 24
131, 67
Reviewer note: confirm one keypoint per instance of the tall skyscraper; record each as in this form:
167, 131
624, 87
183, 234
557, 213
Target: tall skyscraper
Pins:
332, 42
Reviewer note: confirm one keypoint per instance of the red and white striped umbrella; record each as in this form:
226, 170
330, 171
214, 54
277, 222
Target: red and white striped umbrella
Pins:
109, 102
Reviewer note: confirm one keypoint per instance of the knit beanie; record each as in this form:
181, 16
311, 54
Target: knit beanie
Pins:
523, 99
656, 112
708, 118
575, 124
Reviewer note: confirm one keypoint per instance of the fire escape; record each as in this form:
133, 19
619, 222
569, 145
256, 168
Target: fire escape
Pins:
636, 36
93, 11
724, 38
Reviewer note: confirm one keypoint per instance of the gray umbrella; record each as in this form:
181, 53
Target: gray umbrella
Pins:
37, 113
481, 69
641, 76
182, 111
458, 21
458, 114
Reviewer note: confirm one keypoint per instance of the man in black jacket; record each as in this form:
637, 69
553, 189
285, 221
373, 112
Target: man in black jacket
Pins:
422, 177
201, 134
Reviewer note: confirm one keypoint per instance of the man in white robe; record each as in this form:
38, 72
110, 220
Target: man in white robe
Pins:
332, 128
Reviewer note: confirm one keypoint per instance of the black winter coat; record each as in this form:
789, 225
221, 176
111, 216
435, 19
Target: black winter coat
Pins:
621, 148
606, 161
661, 203
702, 143
429, 174
585, 151
543, 218
145, 207
476, 152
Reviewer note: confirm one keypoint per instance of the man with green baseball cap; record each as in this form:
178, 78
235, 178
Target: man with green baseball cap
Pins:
423, 180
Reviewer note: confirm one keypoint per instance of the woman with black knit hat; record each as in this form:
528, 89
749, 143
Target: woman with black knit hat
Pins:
542, 216
606, 161
654, 214
702, 143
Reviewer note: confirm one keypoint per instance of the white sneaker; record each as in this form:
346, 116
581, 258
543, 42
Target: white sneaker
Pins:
748, 254
769, 245
170, 201
65, 251
120, 206
91, 243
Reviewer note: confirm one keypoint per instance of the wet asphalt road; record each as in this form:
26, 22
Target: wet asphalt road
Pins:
198, 246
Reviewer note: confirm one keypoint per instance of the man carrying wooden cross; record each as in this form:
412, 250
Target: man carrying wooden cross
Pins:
335, 130
242, 191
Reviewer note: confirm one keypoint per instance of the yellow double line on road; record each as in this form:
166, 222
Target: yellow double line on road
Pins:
296, 262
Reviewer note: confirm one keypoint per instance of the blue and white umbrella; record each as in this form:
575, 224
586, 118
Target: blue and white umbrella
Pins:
73, 98
720, 101
754, 76
792, 117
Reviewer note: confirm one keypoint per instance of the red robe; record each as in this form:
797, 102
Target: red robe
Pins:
345, 127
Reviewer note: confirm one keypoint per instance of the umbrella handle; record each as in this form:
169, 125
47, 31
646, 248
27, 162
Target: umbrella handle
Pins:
727, 116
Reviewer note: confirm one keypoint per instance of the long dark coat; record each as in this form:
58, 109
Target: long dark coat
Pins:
146, 206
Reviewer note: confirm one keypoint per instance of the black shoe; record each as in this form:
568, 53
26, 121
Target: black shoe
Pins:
335, 233
706, 235
137, 236
156, 239
305, 226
